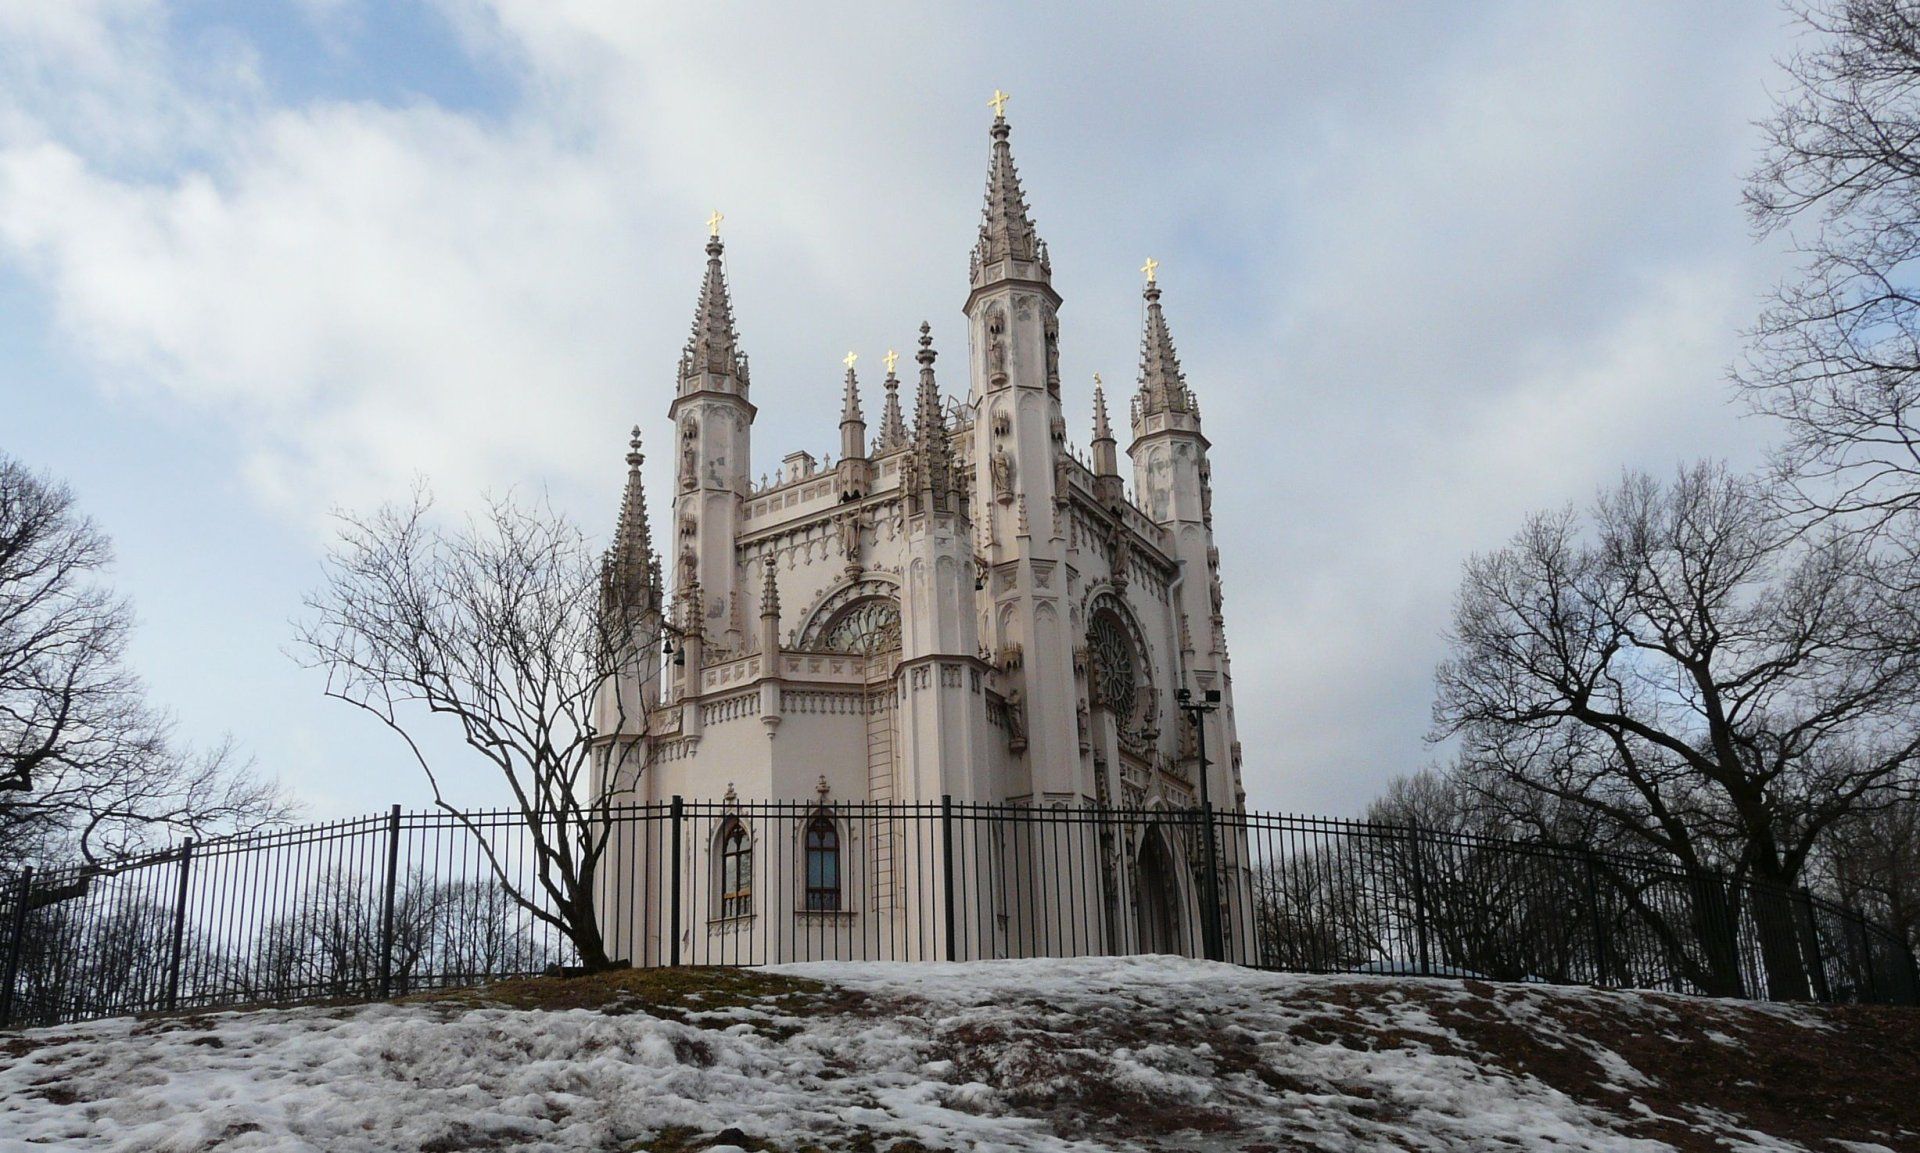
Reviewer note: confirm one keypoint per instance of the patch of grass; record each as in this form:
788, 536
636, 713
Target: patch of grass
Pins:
686, 994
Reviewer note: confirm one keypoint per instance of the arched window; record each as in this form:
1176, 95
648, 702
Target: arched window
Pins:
823, 865
736, 871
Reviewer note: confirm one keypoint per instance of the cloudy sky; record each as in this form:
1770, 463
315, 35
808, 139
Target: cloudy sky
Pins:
1429, 267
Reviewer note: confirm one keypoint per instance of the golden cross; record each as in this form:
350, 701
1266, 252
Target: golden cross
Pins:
999, 103
1150, 267
890, 358
851, 357
713, 223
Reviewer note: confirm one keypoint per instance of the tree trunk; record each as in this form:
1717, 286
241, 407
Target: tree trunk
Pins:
1780, 945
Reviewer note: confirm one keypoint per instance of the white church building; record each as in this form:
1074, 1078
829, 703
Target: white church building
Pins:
959, 609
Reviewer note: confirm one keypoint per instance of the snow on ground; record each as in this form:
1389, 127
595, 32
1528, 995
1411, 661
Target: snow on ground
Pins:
1081, 1054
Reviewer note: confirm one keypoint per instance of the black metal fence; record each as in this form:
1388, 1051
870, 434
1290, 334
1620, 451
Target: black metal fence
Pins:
379, 906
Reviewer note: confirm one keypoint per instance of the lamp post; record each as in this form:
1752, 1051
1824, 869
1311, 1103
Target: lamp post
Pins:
1212, 939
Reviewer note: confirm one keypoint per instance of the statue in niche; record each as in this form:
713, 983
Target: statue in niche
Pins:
850, 538
689, 465
1002, 467
997, 346
1053, 353
1016, 722
689, 565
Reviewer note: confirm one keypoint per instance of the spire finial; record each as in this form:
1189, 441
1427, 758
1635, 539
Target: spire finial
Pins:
1150, 267
635, 458
849, 359
713, 223
999, 104
770, 592
889, 360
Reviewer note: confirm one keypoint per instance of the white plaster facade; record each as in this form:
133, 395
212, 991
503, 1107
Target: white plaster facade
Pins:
959, 606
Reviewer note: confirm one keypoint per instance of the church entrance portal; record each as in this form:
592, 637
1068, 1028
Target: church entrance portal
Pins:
1156, 896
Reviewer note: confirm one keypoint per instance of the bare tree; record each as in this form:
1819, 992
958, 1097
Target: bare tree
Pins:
1692, 672
87, 766
507, 629
1836, 354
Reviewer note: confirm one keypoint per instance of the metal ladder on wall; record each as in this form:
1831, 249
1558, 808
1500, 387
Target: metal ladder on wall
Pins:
885, 889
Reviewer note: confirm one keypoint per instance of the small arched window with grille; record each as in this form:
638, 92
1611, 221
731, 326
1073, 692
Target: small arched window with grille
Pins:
823, 865
736, 871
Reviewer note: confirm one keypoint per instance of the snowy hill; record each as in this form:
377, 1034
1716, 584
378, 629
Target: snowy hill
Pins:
1043, 1055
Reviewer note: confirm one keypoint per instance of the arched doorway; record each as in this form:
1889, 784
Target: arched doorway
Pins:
1156, 897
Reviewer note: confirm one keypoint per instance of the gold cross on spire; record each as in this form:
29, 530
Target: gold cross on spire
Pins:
713, 223
890, 359
1096, 380
1150, 267
850, 358
999, 104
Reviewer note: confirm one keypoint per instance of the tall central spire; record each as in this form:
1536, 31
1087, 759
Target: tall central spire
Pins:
1007, 236
1162, 387
713, 348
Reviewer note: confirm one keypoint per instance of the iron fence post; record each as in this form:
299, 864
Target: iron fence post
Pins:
673, 901
386, 905
1602, 960
15, 944
179, 924
946, 853
1420, 905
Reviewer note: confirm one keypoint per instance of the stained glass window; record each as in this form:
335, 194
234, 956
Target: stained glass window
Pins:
865, 627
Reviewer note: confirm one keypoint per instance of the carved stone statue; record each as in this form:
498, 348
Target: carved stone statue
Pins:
997, 346
1002, 466
1053, 353
689, 465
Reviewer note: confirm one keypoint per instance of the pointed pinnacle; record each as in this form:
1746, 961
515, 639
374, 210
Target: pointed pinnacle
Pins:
1006, 231
714, 346
1162, 386
850, 401
770, 593
1102, 430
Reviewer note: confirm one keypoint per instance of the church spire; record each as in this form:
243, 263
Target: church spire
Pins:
631, 569
1162, 387
713, 348
853, 426
930, 463
1007, 235
893, 426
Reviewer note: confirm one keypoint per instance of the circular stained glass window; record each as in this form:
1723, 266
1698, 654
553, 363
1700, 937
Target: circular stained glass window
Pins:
1119, 669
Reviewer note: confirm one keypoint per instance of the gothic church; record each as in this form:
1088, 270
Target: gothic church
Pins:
961, 605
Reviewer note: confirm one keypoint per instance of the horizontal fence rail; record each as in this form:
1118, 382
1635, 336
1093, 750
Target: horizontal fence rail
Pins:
402, 902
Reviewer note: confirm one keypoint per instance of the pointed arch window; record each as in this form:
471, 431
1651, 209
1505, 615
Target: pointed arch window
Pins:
823, 865
736, 871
